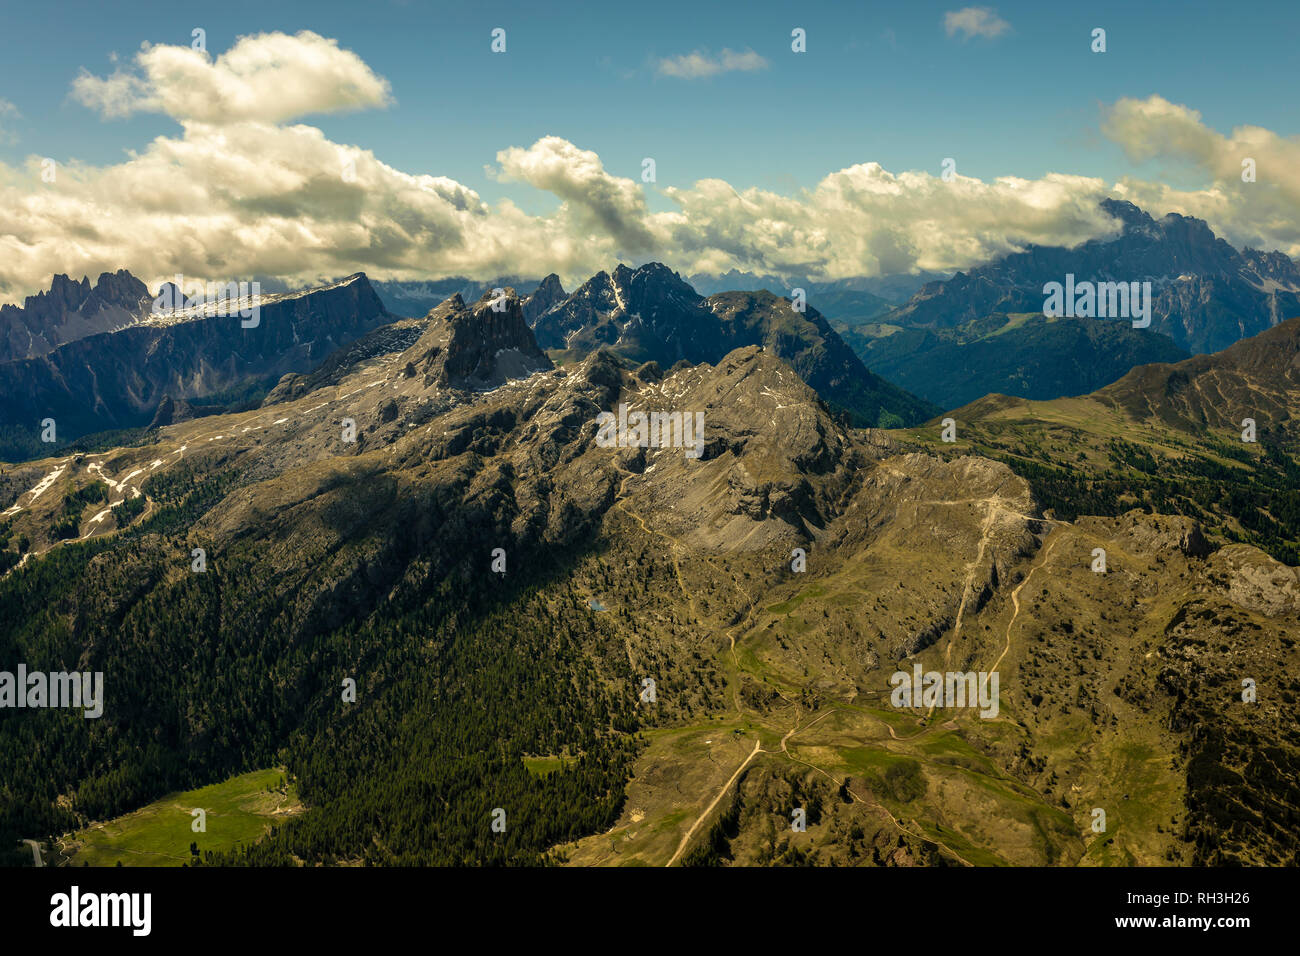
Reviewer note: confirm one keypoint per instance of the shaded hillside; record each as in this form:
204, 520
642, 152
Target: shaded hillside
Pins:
1029, 356
118, 379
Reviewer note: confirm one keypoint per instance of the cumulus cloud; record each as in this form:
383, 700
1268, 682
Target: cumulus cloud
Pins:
595, 200
865, 220
1264, 213
975, 22
272, 77
231, 199
701, 63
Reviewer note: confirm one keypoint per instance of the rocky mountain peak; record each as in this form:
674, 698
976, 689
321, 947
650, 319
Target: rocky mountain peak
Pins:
120, 288
654, 282
547, 294
1127, 213
478, 346
1204, 294
70, 310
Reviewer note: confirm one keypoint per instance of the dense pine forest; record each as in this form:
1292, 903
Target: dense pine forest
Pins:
458, 675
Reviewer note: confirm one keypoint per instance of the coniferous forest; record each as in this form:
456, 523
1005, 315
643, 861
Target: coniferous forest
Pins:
457, 678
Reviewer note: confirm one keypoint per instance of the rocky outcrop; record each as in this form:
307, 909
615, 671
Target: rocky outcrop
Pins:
547, 294
71, 310
1255, 581
477, 347
1156, 533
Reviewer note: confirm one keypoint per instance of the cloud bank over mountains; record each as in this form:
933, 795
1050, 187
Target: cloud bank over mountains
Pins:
247, 189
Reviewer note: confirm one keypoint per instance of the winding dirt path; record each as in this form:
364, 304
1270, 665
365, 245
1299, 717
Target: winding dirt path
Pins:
686, 839
1039, 563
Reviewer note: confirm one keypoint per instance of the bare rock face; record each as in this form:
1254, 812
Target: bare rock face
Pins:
1154, 533
71, 310
1255, 581
544, 296
768, 461
477, 347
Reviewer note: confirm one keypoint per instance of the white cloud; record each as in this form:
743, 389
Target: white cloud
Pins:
975, 22
1263, 214
700, 63
234, 201
271, 77
594, 199
865, 220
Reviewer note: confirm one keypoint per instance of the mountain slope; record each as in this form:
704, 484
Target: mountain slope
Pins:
1257, 378
1169, 438
1030, 356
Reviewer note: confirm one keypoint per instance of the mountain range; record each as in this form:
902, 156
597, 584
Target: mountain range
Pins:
430, 513
1206, 294
132, 367
118, 378
651, 314
71, 310
71, 351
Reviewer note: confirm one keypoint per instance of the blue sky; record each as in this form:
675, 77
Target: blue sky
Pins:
879, 83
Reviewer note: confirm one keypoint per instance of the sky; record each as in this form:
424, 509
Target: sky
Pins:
309, 140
